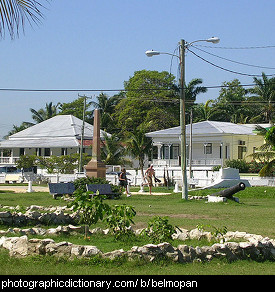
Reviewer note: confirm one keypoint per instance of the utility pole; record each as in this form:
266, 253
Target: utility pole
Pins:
182, 121
190, 145
80, 168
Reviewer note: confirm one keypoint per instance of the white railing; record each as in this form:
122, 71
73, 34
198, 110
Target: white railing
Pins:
8, 160
195, 162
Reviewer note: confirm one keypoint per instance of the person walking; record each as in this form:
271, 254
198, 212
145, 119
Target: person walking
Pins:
123, 181
149, 174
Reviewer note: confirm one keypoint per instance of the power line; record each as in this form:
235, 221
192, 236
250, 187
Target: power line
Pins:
112, 90
237, 48
228, 70
245, 64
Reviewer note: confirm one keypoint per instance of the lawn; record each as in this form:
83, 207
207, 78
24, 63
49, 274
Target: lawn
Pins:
254, 214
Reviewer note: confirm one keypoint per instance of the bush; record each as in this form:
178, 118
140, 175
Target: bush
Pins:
119, 219
159, 230
240, 164
80, 184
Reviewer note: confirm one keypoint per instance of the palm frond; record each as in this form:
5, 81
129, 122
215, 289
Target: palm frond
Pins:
15, 13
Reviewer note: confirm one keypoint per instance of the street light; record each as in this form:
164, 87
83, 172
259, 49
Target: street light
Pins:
183, 46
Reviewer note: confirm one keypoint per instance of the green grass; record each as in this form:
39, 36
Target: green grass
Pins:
254, 214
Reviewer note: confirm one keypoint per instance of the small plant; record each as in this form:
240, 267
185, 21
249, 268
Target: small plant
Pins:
119, 220
217, 232
159, 230
91, 208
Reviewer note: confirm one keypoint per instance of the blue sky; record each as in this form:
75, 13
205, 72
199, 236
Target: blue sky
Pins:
99, 44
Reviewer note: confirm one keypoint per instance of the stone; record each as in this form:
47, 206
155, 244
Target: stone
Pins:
18, 246
114, 254
90, 250
216, 199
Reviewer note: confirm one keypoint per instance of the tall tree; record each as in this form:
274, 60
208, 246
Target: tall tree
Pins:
148, 92
264, 93
15, 13
192, 89
203, 112
106, 106
138, 146
229, 105
266, 152
44, 114
75, 108
113, 152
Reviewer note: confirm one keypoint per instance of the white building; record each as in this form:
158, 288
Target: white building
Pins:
60, 135
211, 144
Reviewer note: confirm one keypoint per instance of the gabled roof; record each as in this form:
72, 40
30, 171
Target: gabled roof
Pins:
206, 128
58, 131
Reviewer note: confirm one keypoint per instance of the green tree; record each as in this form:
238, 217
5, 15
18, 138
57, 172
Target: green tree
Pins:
106, 106
146, 93
113, 152
264, 93
75, 108
17, 129
15, 13
44, 114
204, 112
138, 146
192, 89
266, 152
229, 105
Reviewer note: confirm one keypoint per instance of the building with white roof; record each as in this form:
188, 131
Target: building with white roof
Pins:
212, 142
59, 135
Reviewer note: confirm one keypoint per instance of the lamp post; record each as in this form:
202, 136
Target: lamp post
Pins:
183, 46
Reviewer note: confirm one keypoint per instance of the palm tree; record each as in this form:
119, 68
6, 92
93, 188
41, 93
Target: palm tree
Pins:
204, 112
15, 13
265, 92
113, 152
139, 145
44, 114
106, 106
266, 152
193, 88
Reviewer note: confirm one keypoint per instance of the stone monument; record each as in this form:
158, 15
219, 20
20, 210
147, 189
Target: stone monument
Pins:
95, 167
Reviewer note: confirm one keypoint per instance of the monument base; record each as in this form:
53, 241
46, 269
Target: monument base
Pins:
95, 169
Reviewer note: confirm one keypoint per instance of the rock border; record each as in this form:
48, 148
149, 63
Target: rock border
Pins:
255, 247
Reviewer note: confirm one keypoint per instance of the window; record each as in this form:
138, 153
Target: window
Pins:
21, 151
39, 151
207, 148
47, 152
64, 151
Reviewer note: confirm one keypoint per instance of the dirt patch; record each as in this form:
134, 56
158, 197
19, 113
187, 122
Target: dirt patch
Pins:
188, 216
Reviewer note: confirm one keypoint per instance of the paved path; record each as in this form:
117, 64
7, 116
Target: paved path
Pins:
23, 189
147, 193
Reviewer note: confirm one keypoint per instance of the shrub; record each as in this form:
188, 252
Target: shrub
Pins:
119, 220
240, 164
159, 230
80, 184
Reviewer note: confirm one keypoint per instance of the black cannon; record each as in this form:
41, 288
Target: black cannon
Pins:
228, 193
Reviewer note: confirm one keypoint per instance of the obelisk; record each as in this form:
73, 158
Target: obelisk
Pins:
95, 167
